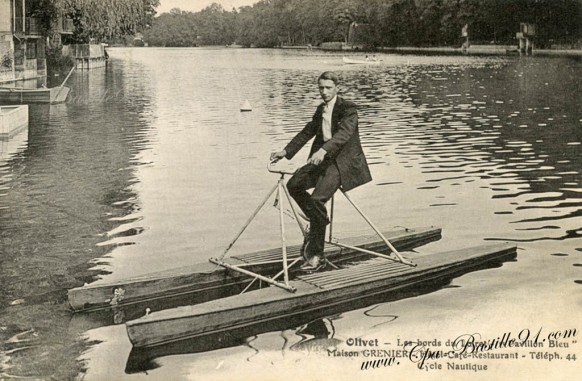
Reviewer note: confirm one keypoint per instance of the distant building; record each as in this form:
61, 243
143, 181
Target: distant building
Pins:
6, 42
526, 36
22, 47
138, 40
87, 56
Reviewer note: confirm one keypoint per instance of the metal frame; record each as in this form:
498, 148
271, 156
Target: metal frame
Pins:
398, 258
279, 188
281, 191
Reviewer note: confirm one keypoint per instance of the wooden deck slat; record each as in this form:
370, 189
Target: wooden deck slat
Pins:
343, 276
357, 269
355, 272
348, 279
370, 277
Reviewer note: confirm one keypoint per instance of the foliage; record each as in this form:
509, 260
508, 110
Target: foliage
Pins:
270, 23
103, 20
6, 60
211, 26
100, 20
57, 62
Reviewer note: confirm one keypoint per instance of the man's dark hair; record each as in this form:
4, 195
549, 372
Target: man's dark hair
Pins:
329, 75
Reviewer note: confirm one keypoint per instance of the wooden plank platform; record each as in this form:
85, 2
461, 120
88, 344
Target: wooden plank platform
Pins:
205, 281
314, 292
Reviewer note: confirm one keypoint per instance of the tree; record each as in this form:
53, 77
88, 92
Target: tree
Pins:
96, 19
215, 25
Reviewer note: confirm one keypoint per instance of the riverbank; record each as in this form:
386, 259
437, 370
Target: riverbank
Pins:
473, 49
482, 50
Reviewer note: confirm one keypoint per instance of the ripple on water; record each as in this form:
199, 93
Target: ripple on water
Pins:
165, 169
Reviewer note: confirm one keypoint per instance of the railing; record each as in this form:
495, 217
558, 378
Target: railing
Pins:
31, 26
84, 50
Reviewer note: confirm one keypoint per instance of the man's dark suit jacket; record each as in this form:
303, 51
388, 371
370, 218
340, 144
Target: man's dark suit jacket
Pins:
344, 146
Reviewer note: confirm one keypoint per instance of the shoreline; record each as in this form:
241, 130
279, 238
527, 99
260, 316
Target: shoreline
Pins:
472, 50
485, 50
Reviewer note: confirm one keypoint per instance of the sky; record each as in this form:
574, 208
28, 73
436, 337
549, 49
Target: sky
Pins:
198, 5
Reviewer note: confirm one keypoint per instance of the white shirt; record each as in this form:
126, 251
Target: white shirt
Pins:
326, 122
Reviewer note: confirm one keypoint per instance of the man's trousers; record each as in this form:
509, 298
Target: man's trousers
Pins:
325, 179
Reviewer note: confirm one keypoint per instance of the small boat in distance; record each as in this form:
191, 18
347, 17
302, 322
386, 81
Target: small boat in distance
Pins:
349, 61
19, 95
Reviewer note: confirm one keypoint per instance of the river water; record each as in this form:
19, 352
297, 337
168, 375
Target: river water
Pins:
150, 165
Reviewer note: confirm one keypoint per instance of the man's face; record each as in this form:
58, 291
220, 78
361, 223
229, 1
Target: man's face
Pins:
327, 89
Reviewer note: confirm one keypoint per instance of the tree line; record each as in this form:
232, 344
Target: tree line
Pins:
371, 23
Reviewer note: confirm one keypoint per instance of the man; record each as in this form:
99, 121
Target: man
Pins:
336, 159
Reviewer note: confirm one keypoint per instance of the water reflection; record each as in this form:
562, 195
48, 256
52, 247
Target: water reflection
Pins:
316, 336
59, 195
503, 122
151, 165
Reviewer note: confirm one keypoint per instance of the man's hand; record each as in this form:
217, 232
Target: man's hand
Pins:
276, 156
317, 157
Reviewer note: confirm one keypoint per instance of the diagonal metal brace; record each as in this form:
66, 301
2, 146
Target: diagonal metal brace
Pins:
390, 246
252, 274
399, 260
